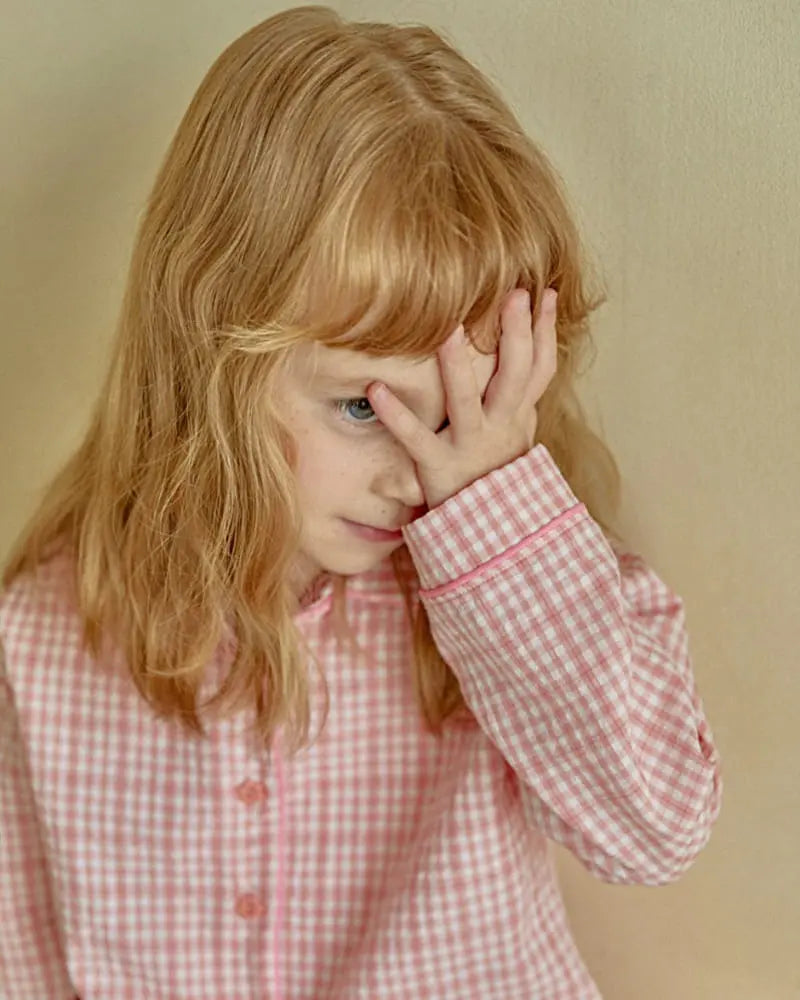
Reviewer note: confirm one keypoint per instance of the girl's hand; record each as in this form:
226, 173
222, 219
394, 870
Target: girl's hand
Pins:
487, 435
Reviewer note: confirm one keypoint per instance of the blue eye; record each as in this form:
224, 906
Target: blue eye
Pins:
342, 405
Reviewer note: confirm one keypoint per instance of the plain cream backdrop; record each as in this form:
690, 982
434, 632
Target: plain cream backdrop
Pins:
676, 125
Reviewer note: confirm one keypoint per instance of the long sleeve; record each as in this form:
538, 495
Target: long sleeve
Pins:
31, 960
574, 659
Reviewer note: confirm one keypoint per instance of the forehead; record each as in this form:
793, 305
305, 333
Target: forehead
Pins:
320, 365
325, 365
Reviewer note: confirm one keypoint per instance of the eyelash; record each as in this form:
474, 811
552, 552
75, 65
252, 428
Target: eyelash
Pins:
340, 405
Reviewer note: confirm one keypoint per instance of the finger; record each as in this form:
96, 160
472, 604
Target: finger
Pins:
463, 398
418, 440
515, 357
545, 347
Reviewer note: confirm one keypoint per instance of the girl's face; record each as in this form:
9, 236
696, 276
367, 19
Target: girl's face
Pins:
350, 469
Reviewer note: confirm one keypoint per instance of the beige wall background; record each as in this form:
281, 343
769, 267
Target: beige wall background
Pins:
676, 125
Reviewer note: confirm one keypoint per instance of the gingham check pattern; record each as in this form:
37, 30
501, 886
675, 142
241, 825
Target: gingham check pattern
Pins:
140, 863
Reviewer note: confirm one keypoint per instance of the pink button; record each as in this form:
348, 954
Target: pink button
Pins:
249, 906
251, 791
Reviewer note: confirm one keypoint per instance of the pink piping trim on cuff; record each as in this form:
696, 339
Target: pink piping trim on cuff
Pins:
444, 587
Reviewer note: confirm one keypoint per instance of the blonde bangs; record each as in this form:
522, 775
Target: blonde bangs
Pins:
432, 231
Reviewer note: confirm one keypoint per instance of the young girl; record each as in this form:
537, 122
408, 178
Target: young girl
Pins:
324, 631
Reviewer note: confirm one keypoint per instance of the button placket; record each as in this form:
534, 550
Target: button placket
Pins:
250, 792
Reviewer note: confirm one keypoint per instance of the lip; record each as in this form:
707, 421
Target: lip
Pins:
373, 534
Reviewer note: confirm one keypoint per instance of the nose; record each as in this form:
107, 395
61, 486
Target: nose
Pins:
398, 482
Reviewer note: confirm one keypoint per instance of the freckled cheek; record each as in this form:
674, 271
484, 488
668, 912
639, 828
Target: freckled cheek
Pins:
343, 457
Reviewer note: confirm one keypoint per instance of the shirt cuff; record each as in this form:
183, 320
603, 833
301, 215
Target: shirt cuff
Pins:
487, 517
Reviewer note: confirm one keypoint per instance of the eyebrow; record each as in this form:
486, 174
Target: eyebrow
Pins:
330, 380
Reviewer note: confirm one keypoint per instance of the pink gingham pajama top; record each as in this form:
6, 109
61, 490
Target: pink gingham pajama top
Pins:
138, 862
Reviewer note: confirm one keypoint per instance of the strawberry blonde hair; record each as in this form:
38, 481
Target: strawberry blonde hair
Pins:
324, 169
